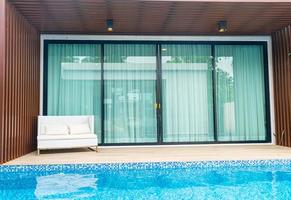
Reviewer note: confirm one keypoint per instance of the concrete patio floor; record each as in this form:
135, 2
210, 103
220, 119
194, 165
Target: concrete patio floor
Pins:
156, 154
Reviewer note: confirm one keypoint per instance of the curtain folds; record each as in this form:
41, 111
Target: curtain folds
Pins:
130, 90
74, 81
130, 93
240, 93
187, 93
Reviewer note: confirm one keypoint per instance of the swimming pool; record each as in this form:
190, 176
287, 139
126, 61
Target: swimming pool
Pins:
270, 179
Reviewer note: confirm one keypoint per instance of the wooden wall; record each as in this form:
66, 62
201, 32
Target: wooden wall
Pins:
2, 71
19, 85
282, 85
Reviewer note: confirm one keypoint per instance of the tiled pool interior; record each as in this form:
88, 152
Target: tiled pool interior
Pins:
251, 179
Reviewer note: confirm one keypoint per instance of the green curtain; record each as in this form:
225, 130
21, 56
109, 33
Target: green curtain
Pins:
74, 88
130, 93
187, 93
74, 77
240, 92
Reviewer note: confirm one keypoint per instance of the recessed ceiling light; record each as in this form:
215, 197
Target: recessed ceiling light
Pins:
222, 26
109, 24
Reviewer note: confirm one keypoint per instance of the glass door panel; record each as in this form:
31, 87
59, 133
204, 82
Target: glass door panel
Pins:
187, 93
240, 93
130, 93
74, 81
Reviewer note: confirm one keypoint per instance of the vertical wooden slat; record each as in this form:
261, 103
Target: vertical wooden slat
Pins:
22, 99
10, 89
8, 85
282, 84
4, 96
25, 58
17, 65
282, 75
286, 46
277, 92
7, 81
2, 77
13, 81
289, 67
19, 83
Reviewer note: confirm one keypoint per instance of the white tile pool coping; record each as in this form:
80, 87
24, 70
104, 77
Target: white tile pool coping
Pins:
147, 165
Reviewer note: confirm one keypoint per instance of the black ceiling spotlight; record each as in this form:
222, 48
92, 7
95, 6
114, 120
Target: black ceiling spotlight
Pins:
222, 26
109, 23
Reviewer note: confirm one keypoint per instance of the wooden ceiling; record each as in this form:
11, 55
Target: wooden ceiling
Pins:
155, 17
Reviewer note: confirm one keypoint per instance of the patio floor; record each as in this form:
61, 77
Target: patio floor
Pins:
155, 154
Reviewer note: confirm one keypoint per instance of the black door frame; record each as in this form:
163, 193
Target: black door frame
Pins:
159, 85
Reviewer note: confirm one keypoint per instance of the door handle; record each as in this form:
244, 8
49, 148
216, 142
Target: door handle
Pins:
157, 106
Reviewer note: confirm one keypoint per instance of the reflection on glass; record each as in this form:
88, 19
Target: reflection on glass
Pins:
74, 81
130, 93
187, 93
240, 93
74, 88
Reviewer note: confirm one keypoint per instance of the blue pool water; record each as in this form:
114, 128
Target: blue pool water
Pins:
240, 180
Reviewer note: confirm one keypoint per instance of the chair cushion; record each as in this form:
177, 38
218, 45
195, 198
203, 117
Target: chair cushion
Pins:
67, 137
56, 129
77, 129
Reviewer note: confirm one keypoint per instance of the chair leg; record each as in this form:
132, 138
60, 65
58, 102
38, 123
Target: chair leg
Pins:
38, 151
96, 148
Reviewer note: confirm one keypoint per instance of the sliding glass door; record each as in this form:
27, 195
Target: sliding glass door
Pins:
161, 92
240, 97
74, 81
187, 93
130, 93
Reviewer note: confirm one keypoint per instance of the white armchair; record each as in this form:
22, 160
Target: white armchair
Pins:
64, 132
